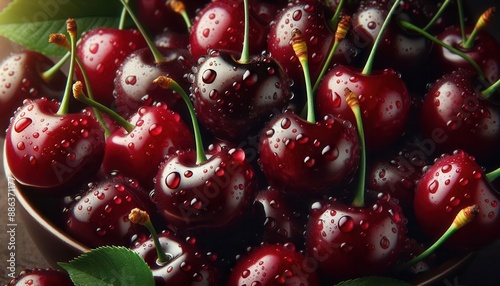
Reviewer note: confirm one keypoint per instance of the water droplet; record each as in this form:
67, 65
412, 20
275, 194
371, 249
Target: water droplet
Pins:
433, 186
21, 146
214, 94
206, 32
446, 169
250, 78
209, 76
188, 174
346, 224
100, 231
309, 162
93, 48
219, 171
173, 180
330, 153
302, 139
285, 123
385, 242
131, 80
372, 25
185, 266
155, 130
245, 273
237, 154
290, 144
22, 124
270, 132
297, 15
117, 200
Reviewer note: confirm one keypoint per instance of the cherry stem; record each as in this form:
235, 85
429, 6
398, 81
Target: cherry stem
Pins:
463, 217
335, 19
493, 175
123, 16
461, 19
141, 217
367, 70
300, 48
179, 8
169, 83
245, 52
487, 93
154, 50
80, 96
411, 27
340, 34
49, 74
353, 102
437, 15
481, 23
72, 31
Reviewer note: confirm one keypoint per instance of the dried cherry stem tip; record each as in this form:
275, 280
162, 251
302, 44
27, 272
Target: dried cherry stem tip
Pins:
353, 102
465, 216
60, 40
482, 22
71, 27
299, 46
168, 83
141, 217
179, 8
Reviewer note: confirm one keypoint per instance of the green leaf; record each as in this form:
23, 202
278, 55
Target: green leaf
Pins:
30, 23
109, 265
372, 280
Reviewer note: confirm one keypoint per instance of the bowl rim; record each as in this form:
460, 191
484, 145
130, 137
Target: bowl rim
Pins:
37, 215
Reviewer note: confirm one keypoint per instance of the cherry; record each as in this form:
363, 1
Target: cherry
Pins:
451, 183
101, 51
24, 76
48, 149
220, 26
455, 115
273, 264
308, 158
41, 277
361, 239
98, 214
383, 96
172, 259
283, 221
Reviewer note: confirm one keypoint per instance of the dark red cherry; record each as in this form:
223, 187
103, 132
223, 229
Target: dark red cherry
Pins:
41, 277
187, 263
98, 215
383, 97
452, 183
101, 52
220, 26
308, 159
21, 74
50, 151
274, 264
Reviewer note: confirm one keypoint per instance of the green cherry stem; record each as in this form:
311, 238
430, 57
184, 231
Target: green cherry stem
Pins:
493, 175
481, 23
300, 48
141, 217
460, 7
353, 102
245, 52
367, 70
335, 19
80, 96
411, 27
168, 83
340, 35
49, 74
437, 15
123, 17
179, 8
154, 50
62, 41
488, 92
465, 216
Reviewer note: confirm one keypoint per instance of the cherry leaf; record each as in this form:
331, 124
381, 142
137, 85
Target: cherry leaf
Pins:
30, 23
109, 265
372, 280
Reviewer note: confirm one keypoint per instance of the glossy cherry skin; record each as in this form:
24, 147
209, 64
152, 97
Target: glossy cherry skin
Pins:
220, 26
98, 215
452, 183
309, 17
273, 264
21, 78
284, 222
158, 132
211, 195
308, 160
484, 52
383, 98
187, 264
101, 52
456, 116
134, 85
233, 100
41, 277
349, 241
49, 151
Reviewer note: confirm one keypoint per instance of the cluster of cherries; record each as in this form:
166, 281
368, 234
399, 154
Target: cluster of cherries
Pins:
326, 123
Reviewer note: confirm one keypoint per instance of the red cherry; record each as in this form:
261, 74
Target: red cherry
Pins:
452, 183
41, 277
